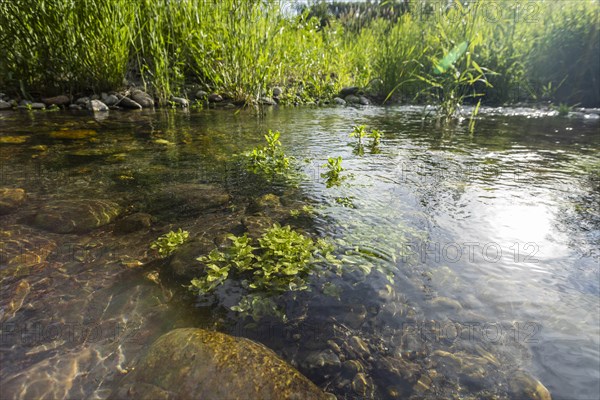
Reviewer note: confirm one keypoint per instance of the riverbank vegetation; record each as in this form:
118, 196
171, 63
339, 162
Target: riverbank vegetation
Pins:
514, 51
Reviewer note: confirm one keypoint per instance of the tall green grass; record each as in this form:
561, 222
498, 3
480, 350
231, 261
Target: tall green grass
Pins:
528, 50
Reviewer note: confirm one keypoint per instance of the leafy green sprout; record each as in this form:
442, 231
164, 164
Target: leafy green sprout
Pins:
169, 242
270, 161
376, 135
359, 132
280, 261
334, 168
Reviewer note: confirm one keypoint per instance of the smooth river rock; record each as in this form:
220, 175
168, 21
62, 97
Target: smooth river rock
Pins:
11, 199
193, 363
188, 199
142, 98
75, 216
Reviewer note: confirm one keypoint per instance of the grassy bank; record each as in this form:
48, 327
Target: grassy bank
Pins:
526, 51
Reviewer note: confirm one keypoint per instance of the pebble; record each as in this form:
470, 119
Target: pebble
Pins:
361, 385
364, 101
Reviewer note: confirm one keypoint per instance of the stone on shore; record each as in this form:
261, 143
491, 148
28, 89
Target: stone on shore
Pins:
61, 100
126, 102
97, 106
142, 98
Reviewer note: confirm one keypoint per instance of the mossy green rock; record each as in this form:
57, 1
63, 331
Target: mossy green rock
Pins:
75, 216
195, 363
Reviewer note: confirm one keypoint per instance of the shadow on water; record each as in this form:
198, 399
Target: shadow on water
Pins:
472, 257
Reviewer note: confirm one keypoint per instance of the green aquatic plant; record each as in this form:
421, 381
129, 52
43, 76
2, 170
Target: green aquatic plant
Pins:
280, 261
359, 132
334, 169
376, 135
169, 242
270, 161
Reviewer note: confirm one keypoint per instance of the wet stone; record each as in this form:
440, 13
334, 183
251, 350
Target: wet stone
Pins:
109, 99
325, 359
61, 100
349, 90
133, 223
352, 99
215, 98
184, 263
76, 134
22, 248
13, 139
361, 385
11, 199
126, 102
524, 386
195, 363
339, 101
180, 101
188, 199
352, 367
256, 225
76, 216
5, 105
142, 98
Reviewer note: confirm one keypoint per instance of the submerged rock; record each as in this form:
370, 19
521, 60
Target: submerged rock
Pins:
188, 199
13, 139
75, 134
133, 223
11, 199
22, 248
184, 263
75, 216
524, 386
194, 363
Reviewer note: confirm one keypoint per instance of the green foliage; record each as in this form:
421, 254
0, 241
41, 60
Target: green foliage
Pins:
334, 168
244, 48
359, 132
270, 161
376, 135
281, 261
169, 242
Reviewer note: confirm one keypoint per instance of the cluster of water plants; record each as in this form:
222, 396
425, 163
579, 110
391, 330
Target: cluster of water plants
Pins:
279, 262
166, 244
501, 51
270, 162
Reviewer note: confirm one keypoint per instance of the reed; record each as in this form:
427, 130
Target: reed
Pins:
528, 51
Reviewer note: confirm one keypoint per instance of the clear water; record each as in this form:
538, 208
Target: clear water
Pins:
492, 239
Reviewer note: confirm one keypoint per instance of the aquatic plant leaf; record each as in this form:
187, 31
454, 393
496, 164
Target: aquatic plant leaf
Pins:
445, 63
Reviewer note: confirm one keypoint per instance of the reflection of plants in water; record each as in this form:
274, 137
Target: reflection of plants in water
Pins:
169, 242
280, 261
270, 161
334, 168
